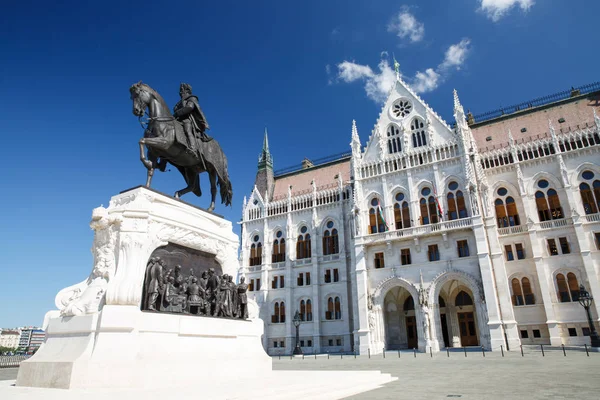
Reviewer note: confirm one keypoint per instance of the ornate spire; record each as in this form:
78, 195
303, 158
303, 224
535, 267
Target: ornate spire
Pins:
265, 160
355, 143
459, 112
596, 119
428, 122
397, 69
552, 132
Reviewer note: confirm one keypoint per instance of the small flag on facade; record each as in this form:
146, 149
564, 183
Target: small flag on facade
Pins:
439, 208
380, 211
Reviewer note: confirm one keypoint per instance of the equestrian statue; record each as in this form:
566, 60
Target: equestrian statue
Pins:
180, 139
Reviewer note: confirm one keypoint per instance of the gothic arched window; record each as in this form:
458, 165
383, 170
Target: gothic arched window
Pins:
506, 209
255, 252
330, 240
590, 193
376, 221
568, 289
456, 202
547, 202
401, 212
338, 308
278, 254
394, 140
522, 293
303, 245
429, 207
417, 128
278, 313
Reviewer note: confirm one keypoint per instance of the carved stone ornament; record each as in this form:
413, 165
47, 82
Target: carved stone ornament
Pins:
137, 223
87, 297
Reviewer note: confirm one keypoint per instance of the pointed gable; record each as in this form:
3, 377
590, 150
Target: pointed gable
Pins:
403, 114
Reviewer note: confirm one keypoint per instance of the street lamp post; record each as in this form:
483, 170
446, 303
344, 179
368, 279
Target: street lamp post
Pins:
585, 299
297, 321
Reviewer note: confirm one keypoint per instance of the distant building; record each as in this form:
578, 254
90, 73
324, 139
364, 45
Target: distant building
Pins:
31, 339
431, 235
9, 338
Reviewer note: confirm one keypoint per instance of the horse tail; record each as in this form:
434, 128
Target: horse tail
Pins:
225, 184
217, 161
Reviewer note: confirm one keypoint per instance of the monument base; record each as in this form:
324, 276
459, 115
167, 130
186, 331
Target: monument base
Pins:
123, 347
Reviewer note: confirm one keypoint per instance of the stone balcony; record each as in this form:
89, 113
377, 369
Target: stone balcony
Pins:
589, 218
418, 231
512, 230
555, 224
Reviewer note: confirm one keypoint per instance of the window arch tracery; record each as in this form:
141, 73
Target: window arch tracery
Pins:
522, 292
506, 209
303, 244
568, 287
255, 252
590, 192
278, 254
430, 212
401, 211
278, 312
376, 222
394, 139
417, 128
547, 202
456, 202
330, 239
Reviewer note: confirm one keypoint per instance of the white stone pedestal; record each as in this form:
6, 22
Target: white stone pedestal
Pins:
99, 338
123, 347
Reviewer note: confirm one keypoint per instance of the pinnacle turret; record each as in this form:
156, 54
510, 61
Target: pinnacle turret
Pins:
265, 160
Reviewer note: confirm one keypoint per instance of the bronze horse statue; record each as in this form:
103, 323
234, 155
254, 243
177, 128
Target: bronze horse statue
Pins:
166, 142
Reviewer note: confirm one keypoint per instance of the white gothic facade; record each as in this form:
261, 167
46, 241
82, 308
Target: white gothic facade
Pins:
432, 236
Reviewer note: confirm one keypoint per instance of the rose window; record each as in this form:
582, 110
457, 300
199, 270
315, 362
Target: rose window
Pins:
401, 108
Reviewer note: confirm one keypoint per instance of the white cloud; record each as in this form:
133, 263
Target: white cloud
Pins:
350, 72
406, 25
426, 81
456, 54
377, 84
496, 9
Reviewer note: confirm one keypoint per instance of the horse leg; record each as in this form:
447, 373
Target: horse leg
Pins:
147, 163
212, 176
190, 178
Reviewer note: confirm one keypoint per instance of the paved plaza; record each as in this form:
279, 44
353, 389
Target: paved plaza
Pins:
552, 376
532, 376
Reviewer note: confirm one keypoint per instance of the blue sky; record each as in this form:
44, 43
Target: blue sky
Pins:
303, 70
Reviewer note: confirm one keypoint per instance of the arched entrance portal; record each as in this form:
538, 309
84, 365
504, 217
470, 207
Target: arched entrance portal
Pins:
458, 320
400, 320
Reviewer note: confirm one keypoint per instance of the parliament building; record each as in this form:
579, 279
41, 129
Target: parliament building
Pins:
432, 235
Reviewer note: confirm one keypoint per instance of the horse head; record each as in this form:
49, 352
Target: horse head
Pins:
141, 98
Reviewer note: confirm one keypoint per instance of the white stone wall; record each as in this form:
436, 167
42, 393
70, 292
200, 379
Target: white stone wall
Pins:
486, 274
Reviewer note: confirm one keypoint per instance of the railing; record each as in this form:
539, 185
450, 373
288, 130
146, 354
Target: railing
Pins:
420, 230
511, 230
592, 217
540, 101
556, 223
302, 261
331, 257
316, 163
11, 361
278, 265
410, 159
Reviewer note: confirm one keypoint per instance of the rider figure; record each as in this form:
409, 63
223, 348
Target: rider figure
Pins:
188, 112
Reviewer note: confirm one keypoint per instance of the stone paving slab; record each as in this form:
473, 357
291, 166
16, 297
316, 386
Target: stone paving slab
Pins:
532, 376
552, 376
